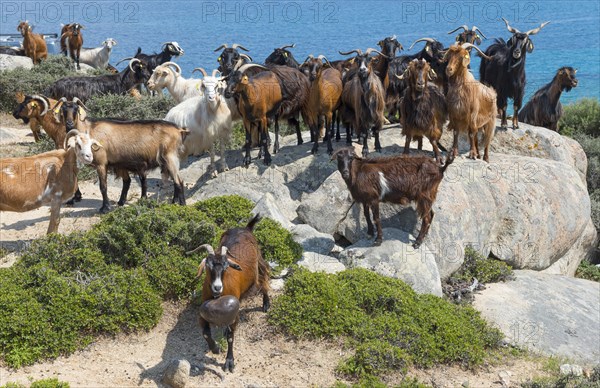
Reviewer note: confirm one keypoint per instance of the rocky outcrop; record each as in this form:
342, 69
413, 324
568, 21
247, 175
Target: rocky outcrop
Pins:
11, 62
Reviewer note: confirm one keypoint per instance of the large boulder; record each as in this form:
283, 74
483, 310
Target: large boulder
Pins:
11, 62
553, 314
396, 258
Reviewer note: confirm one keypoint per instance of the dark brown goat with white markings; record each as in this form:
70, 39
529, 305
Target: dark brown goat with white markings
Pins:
238, 250
73, 41
395, 179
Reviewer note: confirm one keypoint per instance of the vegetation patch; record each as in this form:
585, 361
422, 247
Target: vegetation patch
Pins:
485, 270
277, 244
44, 383
383, 319
565, 381
589, 271
127, 107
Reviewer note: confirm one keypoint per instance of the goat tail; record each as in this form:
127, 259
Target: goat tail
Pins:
252, 223
449, 160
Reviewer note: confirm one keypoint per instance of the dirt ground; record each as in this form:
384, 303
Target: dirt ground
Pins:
263, 357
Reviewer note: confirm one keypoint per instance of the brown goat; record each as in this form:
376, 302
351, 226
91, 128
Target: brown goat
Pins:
395, 179
35, 111
72, 39
239, 250
34, 44
471, 104
324, 97
423, 107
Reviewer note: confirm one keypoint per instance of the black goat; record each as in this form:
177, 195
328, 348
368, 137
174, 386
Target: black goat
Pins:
505, 71
169, 50
231, 59
468, 36
85, 87
283, 57
544, 109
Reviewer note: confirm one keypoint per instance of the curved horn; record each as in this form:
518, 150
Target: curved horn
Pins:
358, 51
131, 62
123, 60
464, 27
323, 57
174, 65
470, 45
310, 56
79, 102
214, 72
394, 37
201, 70
236, 46
43, 100
59, 102
208, 248
224, 250
245, 67
475, 28
430, 40
372, 50
510, 29
288, 46
71, 133
247, 57
223, 46
536, 30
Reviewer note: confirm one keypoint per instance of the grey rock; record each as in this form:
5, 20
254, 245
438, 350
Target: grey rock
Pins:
396, 258
277, 284
571, 370
504, 377
317, 262
552, 314
177, 373
311, 239
11, 62
267, 207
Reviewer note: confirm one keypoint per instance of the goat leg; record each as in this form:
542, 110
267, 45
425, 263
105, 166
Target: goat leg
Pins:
377, 143
103, 189
336, 121
515, 119
247, 146
314, 133
365, 139
427, 218
144, 184
377, 219
296, 123
503, 121
472, 143
407, 144
211, 167
276, 145
420, 143
265, 141
348, 134
55, 213
212, 345
222, 160
455, 144
229, 362
436, 150
329, 127
76, 197
125, 189
370, 231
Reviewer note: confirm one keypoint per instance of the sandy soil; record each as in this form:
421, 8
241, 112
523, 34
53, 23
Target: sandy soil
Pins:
263, 357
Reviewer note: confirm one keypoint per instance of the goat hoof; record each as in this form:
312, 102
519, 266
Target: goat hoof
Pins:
229, 365
121, 203
215, 350
377, 243
300, 141
416, 244
104, 209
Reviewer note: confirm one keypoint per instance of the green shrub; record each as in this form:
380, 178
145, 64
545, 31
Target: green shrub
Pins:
484, 270
589, 271
276, 244
49, 383
581, 117
227, 211
130, 108
389, 324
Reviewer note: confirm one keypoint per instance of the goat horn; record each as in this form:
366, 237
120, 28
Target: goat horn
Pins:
245, 67
224, 45
429, 40
536, 30
208, 248
393, 37
288, 46
59, 102
247, 57
323, 57
40, 98
214, 72
475, 28
123, 60
310, 56
464, 27
173, 64
466, 46
71, 133
358, 51
372, 50
79, 102
201, 70
236, 46
131, 62
510, 29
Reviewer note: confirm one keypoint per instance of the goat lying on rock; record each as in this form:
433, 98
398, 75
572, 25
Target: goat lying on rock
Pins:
395, 179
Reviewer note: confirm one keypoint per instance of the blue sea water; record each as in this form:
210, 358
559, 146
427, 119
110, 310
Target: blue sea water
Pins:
323, 27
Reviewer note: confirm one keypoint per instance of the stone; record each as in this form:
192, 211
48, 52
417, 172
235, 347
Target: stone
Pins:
11, 62
177, 373
504, 377
398, 259
551, 314
267, 207
571, 370
311, 239
317, 262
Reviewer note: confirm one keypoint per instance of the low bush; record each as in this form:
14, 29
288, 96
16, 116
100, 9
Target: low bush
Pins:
485, 270
276, 244
388, 324
589, 271
582, 117
129, 108
44, 383
227, 211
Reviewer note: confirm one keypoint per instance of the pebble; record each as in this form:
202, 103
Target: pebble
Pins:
571, 370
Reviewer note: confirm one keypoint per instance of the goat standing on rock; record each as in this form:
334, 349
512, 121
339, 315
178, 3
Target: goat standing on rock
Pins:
396, 179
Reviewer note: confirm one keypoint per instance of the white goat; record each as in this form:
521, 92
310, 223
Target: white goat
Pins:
97, 57
208, 118
168, 75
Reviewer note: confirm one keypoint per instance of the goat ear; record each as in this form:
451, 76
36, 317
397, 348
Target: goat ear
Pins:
432, 75
466, 60
96, 145
234, 265
529, 46
72, 142
20, 97
428, 48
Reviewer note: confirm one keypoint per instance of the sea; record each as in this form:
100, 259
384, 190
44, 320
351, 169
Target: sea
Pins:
572, 38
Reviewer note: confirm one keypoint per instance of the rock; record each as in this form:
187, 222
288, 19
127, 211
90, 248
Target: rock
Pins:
11, 62
312, 240
396, 258
85, 68
567, 265
277, 284
267, 207
504, 377
317, 262
177, 373
552, 314
571, 370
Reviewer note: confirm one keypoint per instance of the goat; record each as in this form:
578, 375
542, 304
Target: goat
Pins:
208, 118
238, 250
468, 36
423, 107
231, 59
98, 57
157, 143
504, 70
33, 110
48, 178
34, 44
168, 75
395, 179
471, 104
73, 41
169, 50
363, 100
283, 57
324, 97
544, 109
134, 74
